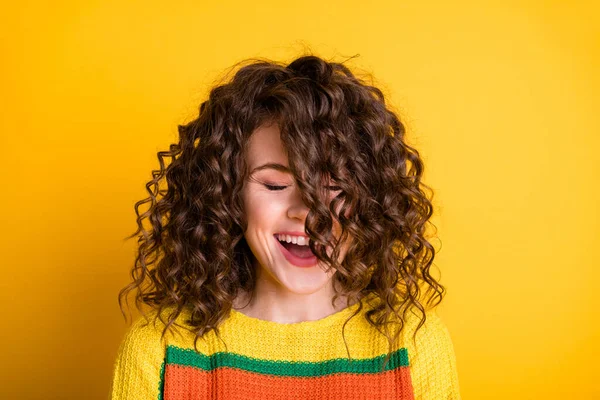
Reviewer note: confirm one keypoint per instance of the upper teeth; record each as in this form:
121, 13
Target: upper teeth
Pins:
299, 240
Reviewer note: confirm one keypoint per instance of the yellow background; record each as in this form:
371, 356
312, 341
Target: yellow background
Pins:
500, 97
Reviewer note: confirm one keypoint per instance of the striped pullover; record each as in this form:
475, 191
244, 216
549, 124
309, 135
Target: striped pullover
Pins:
260, 359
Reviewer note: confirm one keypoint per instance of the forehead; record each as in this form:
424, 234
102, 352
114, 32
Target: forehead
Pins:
265, 151
265, 146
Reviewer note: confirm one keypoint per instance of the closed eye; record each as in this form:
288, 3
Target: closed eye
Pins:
278, 188
274, 188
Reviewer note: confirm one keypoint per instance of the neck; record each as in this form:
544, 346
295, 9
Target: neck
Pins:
288, 307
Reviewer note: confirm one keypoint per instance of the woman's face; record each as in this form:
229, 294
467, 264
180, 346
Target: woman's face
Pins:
273, 205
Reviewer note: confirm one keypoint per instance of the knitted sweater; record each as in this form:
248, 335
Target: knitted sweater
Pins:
271, 360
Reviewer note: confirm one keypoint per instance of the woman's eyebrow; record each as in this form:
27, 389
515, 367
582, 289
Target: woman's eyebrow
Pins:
275, 166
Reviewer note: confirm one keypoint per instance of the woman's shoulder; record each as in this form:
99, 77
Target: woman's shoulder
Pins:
432, 357
138, 366
152, 329
425, 323
428, 325
144, 335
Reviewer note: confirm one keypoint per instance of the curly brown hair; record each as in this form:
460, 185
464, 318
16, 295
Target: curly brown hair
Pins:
335, 126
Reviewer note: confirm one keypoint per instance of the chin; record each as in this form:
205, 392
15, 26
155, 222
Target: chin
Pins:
304, 282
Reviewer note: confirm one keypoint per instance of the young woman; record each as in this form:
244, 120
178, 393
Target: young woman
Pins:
287, 257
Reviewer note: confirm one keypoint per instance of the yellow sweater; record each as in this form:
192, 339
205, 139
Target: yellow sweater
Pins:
271, 360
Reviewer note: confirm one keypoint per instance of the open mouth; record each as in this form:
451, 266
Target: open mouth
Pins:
298, 251
300, 256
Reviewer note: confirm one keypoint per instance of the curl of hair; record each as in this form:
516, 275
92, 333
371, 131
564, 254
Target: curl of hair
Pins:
335, 127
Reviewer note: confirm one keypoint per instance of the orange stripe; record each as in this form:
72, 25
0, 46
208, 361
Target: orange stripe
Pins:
184, 382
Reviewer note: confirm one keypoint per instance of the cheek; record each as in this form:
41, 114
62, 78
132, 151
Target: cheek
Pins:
346, 213
338, 228
261, 209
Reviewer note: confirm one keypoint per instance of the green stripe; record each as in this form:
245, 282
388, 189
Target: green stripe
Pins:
189, 357
161, 383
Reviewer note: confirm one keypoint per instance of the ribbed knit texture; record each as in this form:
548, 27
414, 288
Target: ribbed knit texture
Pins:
270, 360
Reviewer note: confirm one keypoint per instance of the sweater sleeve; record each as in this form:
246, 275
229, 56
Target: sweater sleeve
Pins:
138, 368
433, 362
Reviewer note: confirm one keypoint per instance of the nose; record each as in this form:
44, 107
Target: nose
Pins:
297, 208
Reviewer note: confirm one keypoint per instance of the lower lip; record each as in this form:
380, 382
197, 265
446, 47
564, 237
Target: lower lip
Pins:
297, 261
